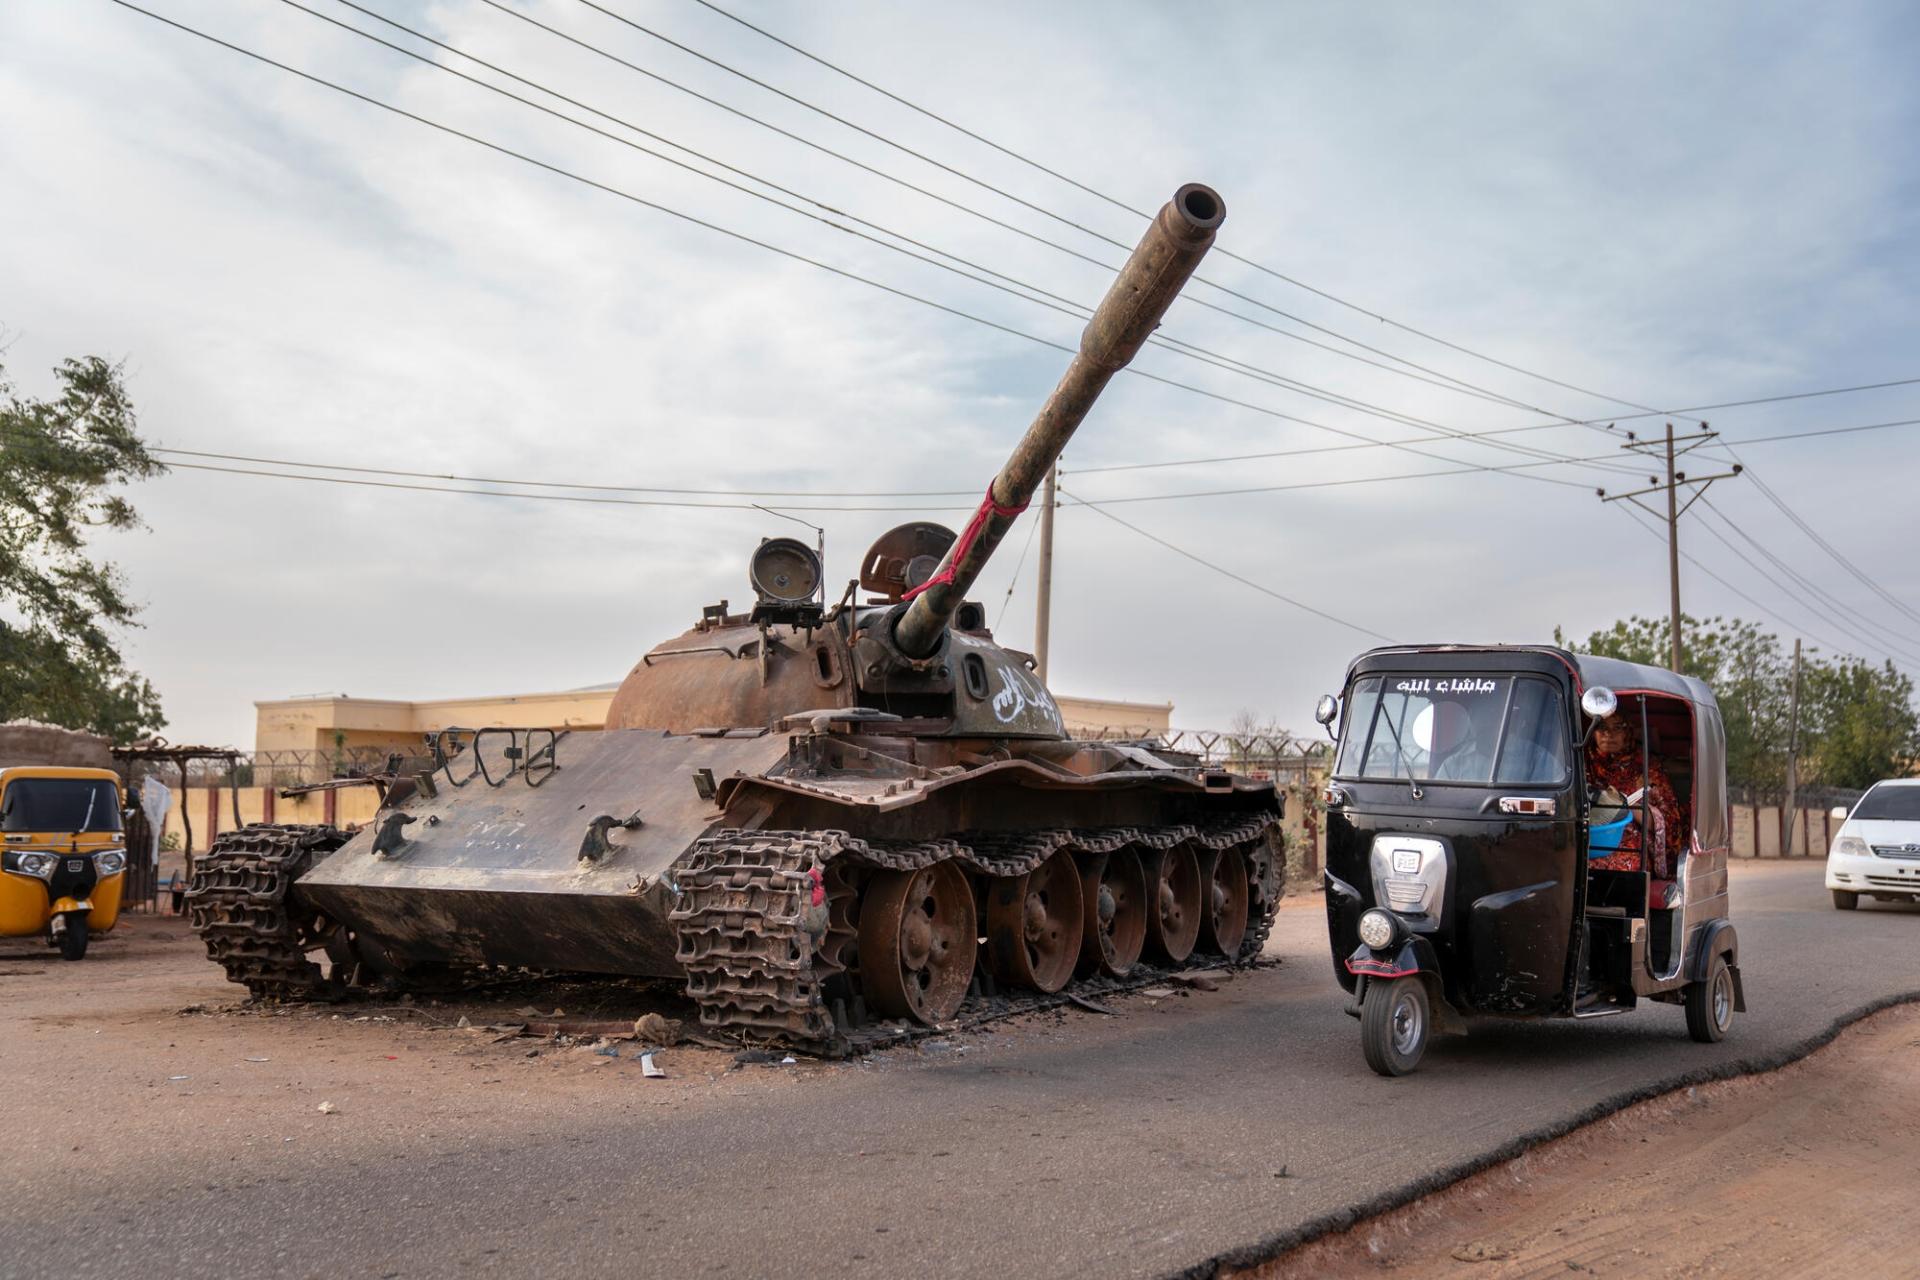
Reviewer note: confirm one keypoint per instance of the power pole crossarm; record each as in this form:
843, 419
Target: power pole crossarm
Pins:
1696, 486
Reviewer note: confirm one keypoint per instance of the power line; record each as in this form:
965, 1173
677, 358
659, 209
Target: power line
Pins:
1184, 348
736, 235
1691, 559
1225, 572
1538, 426
561, 484
1800, 523
1822, 603
1448, 382
542, 497
1120, 204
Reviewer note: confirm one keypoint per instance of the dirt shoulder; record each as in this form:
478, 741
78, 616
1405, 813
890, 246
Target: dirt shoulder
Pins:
1806, 1171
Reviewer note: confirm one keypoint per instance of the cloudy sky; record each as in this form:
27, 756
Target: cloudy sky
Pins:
1665, 207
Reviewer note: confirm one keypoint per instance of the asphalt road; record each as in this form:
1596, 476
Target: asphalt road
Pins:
1135, 1145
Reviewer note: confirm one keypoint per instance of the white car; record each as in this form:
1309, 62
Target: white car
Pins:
1877, 850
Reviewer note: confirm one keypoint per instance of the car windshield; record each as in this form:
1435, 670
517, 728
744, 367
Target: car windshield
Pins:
1455, 728
1890, 804
59, 804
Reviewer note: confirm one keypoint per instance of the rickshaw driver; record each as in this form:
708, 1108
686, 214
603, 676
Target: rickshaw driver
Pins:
1614, 760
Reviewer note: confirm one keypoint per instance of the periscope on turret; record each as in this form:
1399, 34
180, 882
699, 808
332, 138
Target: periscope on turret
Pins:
834, 821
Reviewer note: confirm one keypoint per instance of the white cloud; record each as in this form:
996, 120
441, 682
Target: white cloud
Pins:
1676, 207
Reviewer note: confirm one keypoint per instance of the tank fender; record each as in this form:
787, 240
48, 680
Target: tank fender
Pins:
1718, 937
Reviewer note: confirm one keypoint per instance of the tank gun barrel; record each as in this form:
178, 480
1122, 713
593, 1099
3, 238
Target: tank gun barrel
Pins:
1176, 240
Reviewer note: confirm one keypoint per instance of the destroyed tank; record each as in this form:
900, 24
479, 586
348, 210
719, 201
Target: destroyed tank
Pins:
835, 822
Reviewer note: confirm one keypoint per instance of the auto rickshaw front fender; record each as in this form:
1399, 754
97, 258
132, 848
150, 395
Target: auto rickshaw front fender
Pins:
1413, 958
66, 906
23, 905
106, 897
1414, 955
1717, 938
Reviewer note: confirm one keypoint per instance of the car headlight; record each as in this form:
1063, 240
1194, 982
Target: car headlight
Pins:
1852, 847
110, 863
1377, 929
33, 864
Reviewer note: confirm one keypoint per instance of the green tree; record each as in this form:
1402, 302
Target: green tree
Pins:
1744, 666
60, 610
1861, 724
1857, 721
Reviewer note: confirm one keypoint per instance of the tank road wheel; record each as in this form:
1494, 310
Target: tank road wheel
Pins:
1034, 928
1223, 925
918, 941
1173, 925
1114, 901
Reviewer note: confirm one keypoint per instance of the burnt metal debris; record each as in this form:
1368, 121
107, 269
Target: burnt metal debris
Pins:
861, 819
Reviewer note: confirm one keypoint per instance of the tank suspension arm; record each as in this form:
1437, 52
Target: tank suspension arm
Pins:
1168, 254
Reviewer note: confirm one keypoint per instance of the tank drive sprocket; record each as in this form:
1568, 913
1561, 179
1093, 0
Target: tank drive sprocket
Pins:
239, 902
766, 919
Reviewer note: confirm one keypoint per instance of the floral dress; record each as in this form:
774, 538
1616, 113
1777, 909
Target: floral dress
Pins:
1622, 773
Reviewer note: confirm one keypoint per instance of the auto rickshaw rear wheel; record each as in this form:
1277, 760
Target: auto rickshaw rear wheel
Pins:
1710, 1004
1395, 1022
73, 938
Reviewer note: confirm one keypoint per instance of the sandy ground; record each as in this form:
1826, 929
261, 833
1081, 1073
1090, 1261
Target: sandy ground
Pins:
1811, 1170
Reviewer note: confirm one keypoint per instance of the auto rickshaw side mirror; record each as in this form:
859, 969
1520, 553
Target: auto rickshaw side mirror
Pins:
1598, 702
1326, 711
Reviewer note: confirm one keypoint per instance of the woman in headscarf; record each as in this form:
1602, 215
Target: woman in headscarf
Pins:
1614, 762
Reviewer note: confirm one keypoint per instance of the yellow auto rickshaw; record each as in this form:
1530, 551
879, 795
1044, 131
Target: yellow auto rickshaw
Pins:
65, 857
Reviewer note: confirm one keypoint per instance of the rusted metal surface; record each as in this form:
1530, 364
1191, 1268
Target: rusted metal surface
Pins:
1114, 894
918, 940
756, 966
1167, 255
1173, 926
494, 875
1034, 924
734, 675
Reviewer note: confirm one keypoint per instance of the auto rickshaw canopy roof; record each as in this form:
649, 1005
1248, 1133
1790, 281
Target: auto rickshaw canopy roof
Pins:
1707, 768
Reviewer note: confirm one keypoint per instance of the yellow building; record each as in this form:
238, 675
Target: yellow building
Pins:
292, 731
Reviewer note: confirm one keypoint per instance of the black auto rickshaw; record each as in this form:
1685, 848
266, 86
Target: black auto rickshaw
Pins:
1471, 870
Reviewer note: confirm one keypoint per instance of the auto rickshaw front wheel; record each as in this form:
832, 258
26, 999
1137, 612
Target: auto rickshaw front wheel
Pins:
73, 938
1395, 1021
1710, 1004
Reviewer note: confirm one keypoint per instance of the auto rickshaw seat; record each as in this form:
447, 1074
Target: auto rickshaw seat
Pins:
1660, 893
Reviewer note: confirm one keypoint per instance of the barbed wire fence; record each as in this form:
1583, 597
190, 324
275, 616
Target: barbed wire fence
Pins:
1296, 765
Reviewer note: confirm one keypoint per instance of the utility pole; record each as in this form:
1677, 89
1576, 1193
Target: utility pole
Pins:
1043, 607
1673, 555
1789, 813
1675, 509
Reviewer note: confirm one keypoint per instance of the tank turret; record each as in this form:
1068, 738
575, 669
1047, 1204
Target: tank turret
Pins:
926, 657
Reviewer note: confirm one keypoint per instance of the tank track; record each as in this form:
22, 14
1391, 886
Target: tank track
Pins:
758, 950
237, 902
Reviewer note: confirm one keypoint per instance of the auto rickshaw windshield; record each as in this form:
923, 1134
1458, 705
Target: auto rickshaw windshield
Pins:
1455, 728
59, 804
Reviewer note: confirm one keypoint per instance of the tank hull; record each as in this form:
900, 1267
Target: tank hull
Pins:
494, 875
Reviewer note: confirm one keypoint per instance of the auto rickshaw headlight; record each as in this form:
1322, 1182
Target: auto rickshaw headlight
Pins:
42, 865
1377, 929
110, 863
